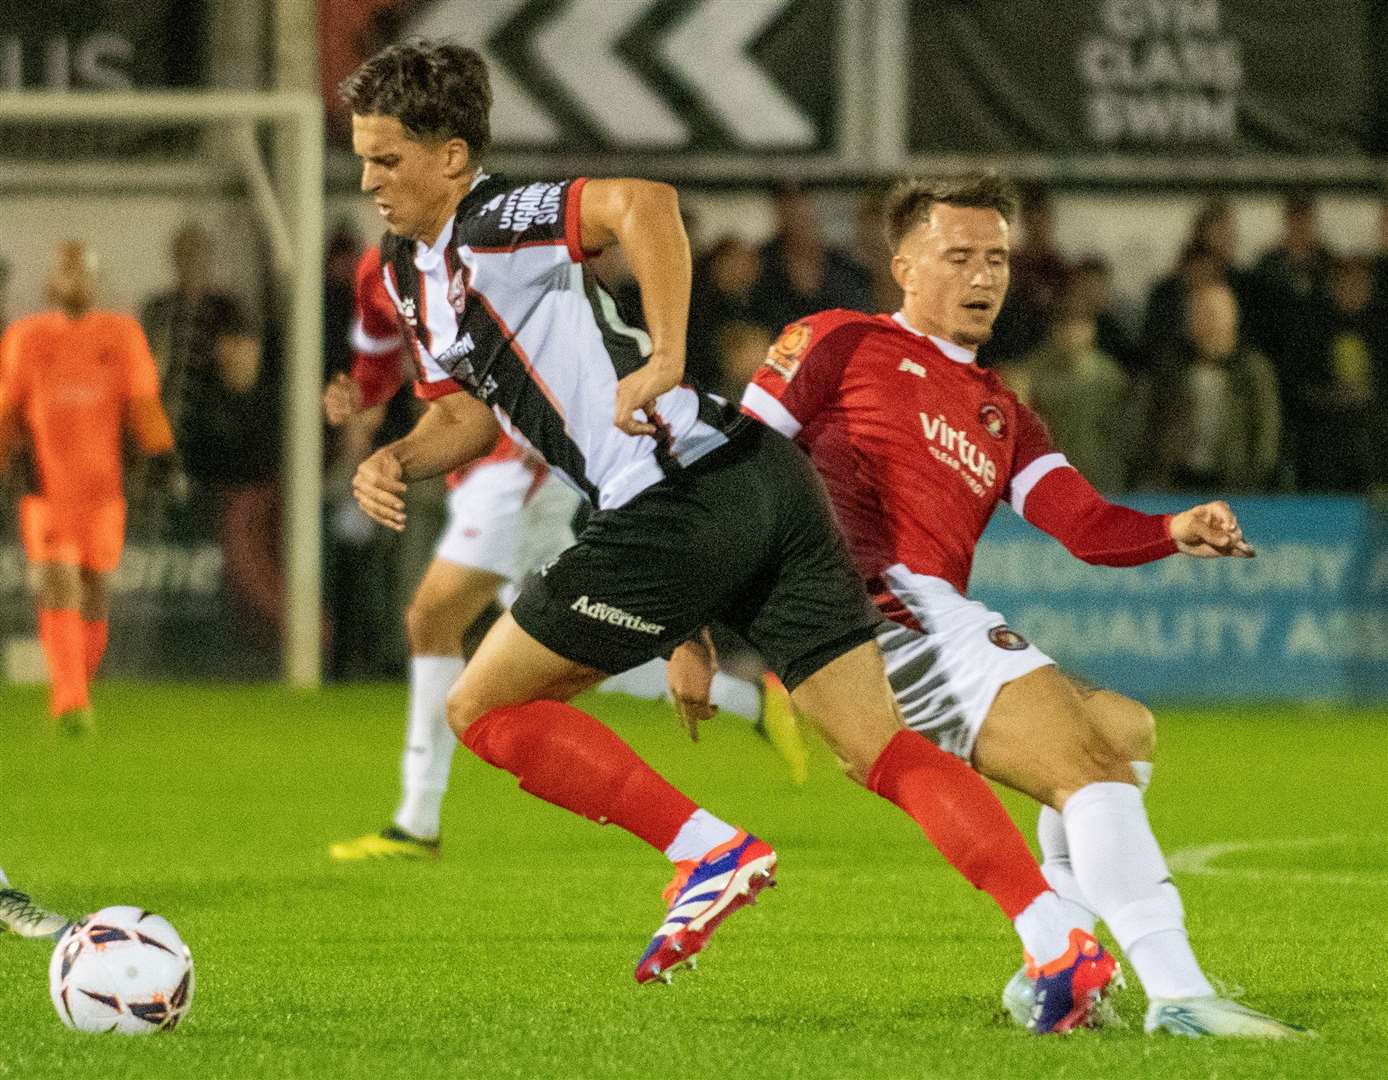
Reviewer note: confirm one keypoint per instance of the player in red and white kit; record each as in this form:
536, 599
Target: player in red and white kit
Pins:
508, 515
918, 445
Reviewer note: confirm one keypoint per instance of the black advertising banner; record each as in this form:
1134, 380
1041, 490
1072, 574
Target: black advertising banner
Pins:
101, 44
1197, 77
720, 76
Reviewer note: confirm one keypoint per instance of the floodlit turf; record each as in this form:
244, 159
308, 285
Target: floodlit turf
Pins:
513, 956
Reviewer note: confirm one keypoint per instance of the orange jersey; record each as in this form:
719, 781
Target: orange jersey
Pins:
71, 382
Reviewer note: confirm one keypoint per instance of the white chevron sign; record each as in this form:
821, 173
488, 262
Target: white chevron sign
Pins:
595, 70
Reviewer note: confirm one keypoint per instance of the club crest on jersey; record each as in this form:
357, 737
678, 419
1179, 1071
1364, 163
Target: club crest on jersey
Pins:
1004, 637
789, 349
992, 418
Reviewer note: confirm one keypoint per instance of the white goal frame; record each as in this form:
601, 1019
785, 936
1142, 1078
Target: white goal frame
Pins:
290, 208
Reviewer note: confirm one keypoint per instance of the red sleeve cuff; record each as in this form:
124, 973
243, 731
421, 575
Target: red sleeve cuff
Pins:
573, 223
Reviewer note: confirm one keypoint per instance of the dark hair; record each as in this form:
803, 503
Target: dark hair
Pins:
910, 202
436, 89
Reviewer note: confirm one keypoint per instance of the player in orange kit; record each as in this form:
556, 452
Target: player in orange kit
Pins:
72, 378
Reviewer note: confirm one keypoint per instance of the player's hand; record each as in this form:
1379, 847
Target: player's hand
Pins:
690, 674
1210, 531
638, 392
379, 488
341, 399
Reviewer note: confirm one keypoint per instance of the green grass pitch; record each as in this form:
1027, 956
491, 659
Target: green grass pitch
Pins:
513, 956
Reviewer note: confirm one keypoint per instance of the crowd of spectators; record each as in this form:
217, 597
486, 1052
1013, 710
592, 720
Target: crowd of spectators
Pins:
1234, 378
1231, 378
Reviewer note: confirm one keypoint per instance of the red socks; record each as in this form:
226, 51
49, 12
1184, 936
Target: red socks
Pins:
94, 639
566, 757
60, 632
961, 816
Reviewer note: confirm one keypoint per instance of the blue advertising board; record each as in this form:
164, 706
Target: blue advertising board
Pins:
1306, 620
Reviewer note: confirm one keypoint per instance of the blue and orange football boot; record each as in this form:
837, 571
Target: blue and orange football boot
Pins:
1072, 991
701, 896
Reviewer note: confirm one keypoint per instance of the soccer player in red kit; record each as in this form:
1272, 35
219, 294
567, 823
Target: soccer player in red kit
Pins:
918, 445
73, 378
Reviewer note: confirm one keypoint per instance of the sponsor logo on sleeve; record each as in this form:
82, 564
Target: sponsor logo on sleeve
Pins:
789, 349
1004, 637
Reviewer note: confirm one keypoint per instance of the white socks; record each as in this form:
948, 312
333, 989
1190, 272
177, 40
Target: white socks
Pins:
1044, 927
729, 693
429, 745
1121, 875
698, 836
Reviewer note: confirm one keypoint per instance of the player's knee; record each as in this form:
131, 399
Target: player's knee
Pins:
463, 712
431, 628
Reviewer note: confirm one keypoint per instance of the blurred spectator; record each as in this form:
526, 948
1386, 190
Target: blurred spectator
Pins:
742, 348
1346, 401
1039, 277
210, 364
800, 274
1381, 259
1208, 255
339, 287
873, 252
1083, 395
1090, 290
1296, 326
1217, 423
724, 278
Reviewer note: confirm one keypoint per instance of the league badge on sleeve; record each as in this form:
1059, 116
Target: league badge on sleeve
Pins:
1004, 637
789, 349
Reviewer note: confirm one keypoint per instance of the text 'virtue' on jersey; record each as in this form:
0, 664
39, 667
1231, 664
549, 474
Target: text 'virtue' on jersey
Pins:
500, 305
917, 445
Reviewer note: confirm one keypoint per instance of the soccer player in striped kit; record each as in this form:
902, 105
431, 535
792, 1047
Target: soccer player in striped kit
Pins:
507, 517
700, 515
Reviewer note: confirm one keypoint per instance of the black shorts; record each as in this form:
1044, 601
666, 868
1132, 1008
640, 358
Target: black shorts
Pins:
744, 537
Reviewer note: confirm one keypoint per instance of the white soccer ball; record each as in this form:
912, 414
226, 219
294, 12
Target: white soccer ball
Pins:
121, 969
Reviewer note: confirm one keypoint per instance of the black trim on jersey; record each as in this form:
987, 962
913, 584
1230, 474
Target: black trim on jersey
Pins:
512, 222
398, 253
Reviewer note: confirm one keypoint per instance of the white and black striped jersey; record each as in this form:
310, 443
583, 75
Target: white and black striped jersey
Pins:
501, 305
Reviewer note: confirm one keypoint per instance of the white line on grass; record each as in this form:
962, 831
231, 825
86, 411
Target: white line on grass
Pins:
1200, 859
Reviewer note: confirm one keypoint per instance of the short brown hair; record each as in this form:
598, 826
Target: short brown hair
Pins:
436, 89
910, 202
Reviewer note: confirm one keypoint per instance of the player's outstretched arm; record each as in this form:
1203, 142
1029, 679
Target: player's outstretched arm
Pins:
454, 431
644, 218
1210, 531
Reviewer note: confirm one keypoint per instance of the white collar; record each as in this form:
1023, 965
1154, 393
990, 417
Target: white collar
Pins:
428, 256
957, 353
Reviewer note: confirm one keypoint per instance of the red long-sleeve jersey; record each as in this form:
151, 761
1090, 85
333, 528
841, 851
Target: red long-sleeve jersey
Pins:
917, 445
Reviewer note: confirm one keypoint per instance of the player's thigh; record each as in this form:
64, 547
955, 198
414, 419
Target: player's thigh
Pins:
53, 549
448, 600
1127, 726
102, 533
511, 667
1037, 739
850, 701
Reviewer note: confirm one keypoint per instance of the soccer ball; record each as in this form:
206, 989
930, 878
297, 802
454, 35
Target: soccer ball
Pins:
121, 969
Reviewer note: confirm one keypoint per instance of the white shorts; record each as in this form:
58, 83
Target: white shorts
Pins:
502, 521
946, 675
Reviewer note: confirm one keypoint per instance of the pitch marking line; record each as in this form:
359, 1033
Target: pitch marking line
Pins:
1201, 859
